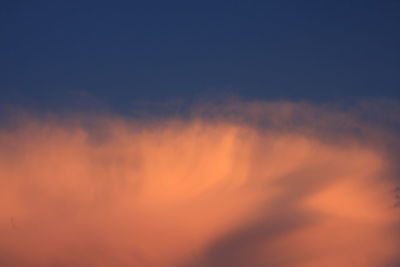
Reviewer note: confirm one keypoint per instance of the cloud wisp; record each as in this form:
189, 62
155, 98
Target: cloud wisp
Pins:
278, 184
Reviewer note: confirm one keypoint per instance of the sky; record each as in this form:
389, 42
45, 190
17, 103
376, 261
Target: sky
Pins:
86, 53
199, 134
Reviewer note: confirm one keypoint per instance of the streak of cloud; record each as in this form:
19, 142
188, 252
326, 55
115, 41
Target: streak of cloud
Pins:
246, 184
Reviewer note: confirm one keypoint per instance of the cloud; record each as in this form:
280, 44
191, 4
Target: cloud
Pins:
242, 184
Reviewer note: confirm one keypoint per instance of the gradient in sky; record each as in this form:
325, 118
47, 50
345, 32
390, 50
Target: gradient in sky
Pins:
199, 134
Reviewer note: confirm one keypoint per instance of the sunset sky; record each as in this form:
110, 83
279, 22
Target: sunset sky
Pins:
199, 134
114, 54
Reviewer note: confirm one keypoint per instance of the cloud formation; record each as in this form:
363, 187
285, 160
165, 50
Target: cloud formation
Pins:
246, 184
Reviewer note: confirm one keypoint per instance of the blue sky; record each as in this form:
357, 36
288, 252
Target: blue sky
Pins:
115, 53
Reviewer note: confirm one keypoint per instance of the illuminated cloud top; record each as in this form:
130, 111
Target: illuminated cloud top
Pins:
277, 184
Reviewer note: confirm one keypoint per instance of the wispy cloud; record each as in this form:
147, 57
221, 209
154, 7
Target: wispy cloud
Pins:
243, 184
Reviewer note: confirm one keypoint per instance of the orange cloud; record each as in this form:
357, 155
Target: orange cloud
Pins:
196, 192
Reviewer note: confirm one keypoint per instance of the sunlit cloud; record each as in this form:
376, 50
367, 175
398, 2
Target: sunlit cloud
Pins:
278, 184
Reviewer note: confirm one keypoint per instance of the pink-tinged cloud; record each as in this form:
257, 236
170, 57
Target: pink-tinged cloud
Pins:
274, 185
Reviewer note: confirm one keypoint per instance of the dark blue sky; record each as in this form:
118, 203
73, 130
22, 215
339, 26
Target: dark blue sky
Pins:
115, 53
